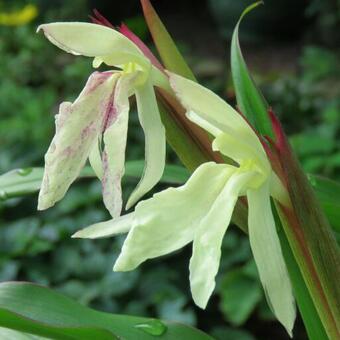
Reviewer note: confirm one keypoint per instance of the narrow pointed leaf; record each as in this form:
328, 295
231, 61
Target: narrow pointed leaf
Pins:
21, 182
311, 239
34, 309
328, 194
249, 100
254, 107
314, 327
167, 49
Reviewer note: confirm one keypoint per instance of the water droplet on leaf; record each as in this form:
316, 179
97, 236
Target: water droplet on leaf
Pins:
152, 327
3, 195
25, 172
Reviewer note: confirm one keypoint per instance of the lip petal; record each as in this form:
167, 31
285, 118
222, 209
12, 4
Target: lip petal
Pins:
165, 222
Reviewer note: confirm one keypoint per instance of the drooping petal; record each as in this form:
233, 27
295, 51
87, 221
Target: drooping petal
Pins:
77, 129
155, 142
166, 222
113, 156
109, 228
87, 39
206, 255
268, 256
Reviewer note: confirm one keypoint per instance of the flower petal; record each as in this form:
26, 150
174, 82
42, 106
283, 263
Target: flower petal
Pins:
234, 147
109, 228
268, 256
113, 156
206, 255
165, 222
87, 39
199, 99
120, 57
77, 129
155, 142
95, 159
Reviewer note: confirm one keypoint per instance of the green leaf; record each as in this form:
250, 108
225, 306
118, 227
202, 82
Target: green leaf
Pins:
254, 107
34, 309
328, 194
9, 334
167, 49
311, 239
20, 182
249, 99
173, 174
314, 327
240, 293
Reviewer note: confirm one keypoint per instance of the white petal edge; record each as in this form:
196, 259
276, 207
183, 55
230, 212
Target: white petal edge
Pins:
87, 39
208, 239
167, 222
109, 228
268, 256
155, 142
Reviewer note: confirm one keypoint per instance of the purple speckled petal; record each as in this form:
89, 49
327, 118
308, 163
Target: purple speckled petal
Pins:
78, 126
115, 135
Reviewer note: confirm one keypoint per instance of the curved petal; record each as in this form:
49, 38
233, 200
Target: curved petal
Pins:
167, 221
109, 228
197, 98
87, 39
268, 256
77, 129
206, 255
120, 57
113, 156
155, 142
234, 147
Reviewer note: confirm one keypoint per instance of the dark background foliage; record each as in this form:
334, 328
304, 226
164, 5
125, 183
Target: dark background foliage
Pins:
292, 49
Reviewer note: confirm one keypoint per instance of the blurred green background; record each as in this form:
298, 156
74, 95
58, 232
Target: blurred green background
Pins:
292, 48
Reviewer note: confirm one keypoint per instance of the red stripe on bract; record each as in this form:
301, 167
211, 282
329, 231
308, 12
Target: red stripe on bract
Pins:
146, 51
280, 138
99, 19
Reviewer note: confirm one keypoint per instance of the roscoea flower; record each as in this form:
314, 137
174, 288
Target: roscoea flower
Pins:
200, 211
95, 125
